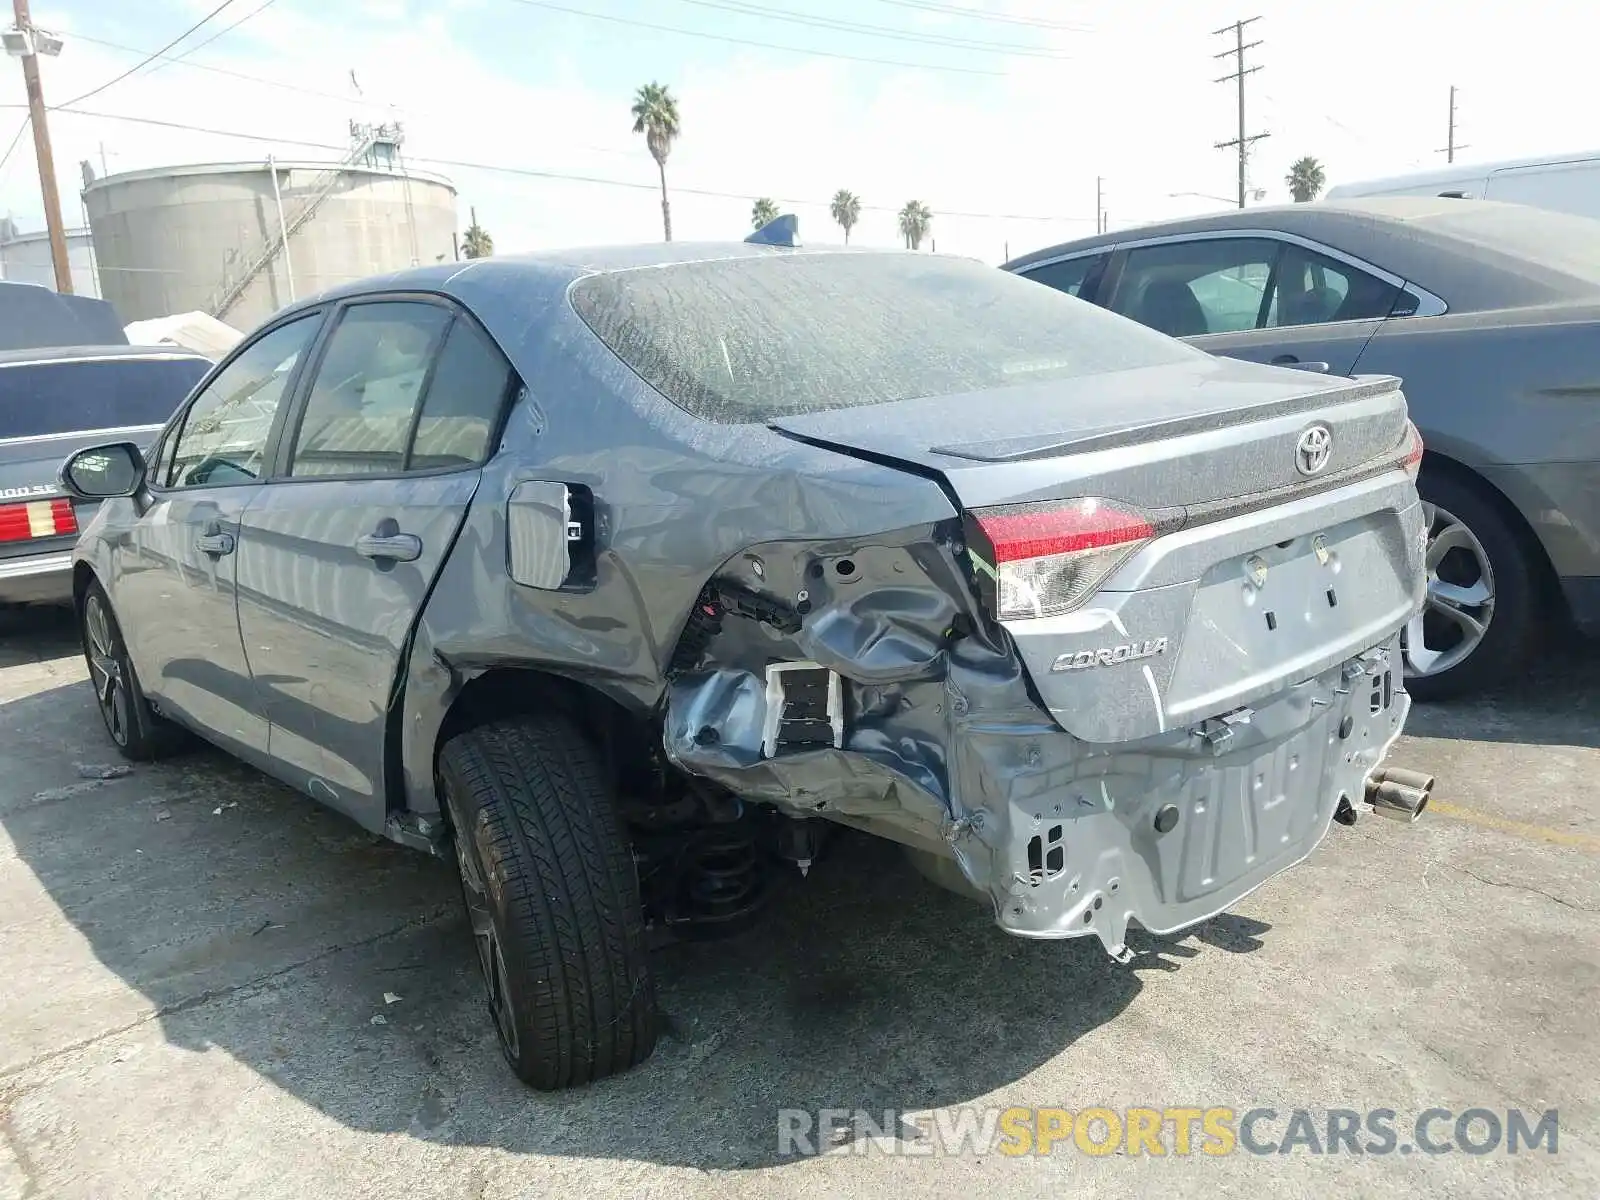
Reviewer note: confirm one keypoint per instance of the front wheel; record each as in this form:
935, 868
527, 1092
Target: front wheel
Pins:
552, 897
1480, 622
138, 731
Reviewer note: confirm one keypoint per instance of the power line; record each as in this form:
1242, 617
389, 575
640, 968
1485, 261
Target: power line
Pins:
1242, 141
169, 60
146, 62
204, 42
718, 37
877, 31
1001, 18
562, 176
22, 129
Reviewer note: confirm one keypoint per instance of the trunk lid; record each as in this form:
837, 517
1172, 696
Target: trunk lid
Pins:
1257, 564
1185, 434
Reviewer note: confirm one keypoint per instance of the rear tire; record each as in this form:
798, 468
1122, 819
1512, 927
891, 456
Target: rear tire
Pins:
550, 889
135, 728
1480, 573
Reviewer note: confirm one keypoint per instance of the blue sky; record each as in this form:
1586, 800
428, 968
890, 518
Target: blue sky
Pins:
1005, 145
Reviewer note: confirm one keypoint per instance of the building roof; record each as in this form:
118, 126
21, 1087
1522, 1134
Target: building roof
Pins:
238, 168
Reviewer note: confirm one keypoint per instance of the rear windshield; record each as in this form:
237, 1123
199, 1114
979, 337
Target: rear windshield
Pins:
87, 394
750, 339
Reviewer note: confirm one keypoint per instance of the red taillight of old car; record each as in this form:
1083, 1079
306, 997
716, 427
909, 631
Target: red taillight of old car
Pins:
1042, 560
1411, 453
36, 519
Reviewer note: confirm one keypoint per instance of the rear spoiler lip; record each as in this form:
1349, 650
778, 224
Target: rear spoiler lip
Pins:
1030, 447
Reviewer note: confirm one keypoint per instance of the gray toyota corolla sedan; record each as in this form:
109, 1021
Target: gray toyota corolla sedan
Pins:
622, 576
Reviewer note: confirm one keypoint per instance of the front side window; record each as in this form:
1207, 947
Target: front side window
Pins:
359, 415
223, 438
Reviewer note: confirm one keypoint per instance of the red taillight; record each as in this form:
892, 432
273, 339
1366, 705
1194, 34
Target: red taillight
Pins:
1044, 560
36, 519
1411, 457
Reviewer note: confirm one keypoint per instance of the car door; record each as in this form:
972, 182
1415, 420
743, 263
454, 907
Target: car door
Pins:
1263, 297
174, 584
338, 552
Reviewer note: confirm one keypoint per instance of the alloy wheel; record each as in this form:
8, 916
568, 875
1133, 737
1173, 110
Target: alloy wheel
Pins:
496, 982
105, 671
1460, 598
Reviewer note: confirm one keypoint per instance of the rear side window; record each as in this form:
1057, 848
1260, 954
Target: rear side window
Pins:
754, 338
368, 385
469, 385
37, 399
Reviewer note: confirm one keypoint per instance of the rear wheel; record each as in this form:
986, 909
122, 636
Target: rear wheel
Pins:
552, 896
1481, 618
139, 733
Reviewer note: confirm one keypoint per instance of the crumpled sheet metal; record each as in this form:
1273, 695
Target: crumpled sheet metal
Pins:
945, 744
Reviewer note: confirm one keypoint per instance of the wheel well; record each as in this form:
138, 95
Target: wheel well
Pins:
628, 739
1549, 585
82, 576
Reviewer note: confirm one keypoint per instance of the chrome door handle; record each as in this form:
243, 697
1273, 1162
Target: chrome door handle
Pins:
214, 542
393, 547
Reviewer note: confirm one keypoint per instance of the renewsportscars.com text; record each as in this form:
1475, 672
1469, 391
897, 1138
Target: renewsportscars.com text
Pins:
1168, 1131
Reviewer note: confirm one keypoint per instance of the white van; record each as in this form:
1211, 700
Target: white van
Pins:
1568, 183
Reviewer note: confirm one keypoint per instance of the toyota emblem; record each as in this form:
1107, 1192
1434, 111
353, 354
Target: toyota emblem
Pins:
1313, 450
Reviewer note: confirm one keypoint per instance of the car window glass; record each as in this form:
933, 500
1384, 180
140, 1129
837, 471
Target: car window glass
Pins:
1066, 276
463, 401
1211, 285
224, 435
358, 417
73, 395
754, 337
1313, 288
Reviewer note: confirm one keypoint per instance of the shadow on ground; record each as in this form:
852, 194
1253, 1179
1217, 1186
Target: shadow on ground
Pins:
1555, 703
259, 924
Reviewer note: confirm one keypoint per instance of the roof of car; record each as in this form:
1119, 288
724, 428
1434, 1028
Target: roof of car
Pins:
1476, 254
62, 354
1306, 219
557, 268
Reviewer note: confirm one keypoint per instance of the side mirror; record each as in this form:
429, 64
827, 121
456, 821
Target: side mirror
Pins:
100, 472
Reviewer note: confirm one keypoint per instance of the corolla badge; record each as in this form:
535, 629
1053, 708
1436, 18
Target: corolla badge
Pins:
1313, 450
1110, 656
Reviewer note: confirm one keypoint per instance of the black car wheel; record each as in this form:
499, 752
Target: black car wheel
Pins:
139, 733
552, 897
1480, 622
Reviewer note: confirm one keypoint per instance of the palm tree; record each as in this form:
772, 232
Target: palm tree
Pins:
655, 114
846, 209
1305, 179
915, 220
762, 212
476, 242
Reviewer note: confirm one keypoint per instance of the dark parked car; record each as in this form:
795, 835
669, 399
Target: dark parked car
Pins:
1490, 315
52, 401
622, 576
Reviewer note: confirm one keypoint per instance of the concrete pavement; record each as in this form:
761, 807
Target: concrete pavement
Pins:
194, 961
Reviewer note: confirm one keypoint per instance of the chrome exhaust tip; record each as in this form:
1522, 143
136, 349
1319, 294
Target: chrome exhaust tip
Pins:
1398, 794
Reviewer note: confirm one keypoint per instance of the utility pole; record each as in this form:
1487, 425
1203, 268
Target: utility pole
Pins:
1450, 146
1243, 140
1099, 205
25, 42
